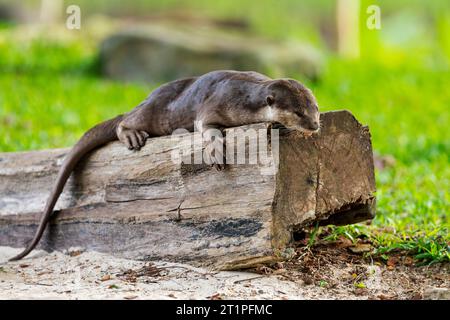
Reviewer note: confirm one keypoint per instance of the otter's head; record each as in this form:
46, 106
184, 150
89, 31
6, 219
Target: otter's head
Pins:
293, 105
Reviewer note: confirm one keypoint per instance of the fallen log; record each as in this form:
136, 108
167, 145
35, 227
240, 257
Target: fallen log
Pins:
160, 52
144, 205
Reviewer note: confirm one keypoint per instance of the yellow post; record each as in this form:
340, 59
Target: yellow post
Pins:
347, 18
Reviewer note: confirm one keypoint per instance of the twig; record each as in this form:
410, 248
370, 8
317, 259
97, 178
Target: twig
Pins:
249, 279
39, 284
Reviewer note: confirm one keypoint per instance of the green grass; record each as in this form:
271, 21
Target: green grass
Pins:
50, 94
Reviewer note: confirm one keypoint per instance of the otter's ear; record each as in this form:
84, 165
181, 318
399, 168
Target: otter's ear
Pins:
270, 100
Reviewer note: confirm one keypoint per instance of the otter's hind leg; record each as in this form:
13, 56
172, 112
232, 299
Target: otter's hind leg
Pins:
133, 139
214, 152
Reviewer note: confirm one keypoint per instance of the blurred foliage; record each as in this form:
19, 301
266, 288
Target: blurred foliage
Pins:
50, 94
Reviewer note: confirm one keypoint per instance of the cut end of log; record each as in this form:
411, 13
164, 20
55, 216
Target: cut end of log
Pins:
145, 206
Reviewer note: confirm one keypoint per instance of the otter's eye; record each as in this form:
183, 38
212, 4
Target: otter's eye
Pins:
298, 113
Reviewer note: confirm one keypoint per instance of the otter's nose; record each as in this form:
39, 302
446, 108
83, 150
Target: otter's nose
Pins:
314, 125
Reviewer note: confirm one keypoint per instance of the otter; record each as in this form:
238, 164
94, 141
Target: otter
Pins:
216, 100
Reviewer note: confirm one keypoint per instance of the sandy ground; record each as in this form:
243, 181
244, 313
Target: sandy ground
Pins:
91, 275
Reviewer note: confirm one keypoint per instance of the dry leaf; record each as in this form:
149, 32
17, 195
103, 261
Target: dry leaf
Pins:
408, 261
344, 242
307, 280
106, 277
74, 253
361, 247
392, 261
387, 297
216, 296
279, 265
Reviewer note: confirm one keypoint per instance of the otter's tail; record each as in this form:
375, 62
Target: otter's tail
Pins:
99, 135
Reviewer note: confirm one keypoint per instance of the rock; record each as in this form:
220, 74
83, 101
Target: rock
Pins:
159, 53
15, 13
8, 13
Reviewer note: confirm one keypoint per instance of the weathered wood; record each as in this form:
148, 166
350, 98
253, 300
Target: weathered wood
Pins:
143, 205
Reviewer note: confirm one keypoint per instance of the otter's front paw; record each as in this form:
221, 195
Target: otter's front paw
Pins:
133, 139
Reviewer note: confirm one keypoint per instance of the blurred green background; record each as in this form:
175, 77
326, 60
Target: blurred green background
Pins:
51, 92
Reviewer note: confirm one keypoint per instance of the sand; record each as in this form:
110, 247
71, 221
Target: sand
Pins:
91, 275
